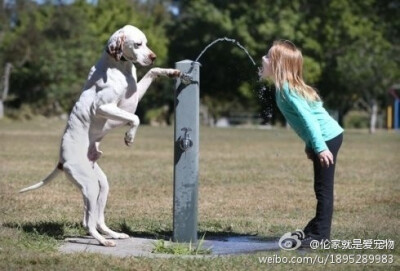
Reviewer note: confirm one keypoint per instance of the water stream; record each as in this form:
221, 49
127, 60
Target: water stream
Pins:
229, 40
264, 93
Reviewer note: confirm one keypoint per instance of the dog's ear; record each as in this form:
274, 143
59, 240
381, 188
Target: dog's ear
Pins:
115, 45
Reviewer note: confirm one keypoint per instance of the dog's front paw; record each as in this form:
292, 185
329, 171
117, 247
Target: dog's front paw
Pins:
166, 72
173, 73
129, 137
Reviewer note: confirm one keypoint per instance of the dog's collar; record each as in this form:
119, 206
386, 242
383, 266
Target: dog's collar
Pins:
122, 57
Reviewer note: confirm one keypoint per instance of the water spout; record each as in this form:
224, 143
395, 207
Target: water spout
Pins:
229, 40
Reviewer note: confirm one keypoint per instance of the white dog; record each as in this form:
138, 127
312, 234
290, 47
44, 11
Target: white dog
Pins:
109, 99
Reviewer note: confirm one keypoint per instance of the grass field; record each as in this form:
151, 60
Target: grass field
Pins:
251, 182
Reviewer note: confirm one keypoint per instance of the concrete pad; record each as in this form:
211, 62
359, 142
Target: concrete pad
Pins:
142, 247
239, 245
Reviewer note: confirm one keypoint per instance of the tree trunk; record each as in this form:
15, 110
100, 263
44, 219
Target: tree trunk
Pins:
373, 116
6, 80
1, 109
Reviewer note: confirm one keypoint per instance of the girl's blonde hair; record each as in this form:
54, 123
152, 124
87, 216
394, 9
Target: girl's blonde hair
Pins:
287, 66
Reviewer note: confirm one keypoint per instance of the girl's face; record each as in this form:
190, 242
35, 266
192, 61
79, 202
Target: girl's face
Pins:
265, 71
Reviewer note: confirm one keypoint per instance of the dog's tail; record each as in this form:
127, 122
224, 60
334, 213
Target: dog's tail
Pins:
45, 181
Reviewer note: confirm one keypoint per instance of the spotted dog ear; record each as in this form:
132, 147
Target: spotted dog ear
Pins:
115, 45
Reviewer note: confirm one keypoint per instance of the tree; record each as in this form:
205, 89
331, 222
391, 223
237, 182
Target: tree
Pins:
228, 79
52, 46
370, 69
326, 31
358, 57
5, 81
47, 69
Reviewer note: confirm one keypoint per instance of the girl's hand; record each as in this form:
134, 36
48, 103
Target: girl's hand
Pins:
326, 158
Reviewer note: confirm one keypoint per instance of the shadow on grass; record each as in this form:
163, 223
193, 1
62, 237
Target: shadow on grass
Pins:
208, 235
62, 230
55, 230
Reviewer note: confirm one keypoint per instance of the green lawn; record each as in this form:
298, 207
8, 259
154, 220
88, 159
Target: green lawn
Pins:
251, 182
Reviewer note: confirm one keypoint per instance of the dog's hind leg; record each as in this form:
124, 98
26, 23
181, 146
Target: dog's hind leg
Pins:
83, 175
101, 204
85, 210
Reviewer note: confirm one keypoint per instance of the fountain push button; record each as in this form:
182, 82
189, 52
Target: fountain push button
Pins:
186, 78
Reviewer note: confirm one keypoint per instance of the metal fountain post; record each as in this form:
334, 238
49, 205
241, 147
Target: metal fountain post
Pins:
186, 152
186, 157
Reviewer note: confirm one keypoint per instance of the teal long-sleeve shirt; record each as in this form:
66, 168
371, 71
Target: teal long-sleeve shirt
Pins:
310, 120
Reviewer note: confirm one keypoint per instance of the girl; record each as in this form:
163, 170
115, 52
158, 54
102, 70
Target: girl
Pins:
303, 109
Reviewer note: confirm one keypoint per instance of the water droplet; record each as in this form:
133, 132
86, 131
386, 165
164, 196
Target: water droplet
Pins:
265, 96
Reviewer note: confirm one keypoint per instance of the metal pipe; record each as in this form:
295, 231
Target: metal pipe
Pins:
186, 155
